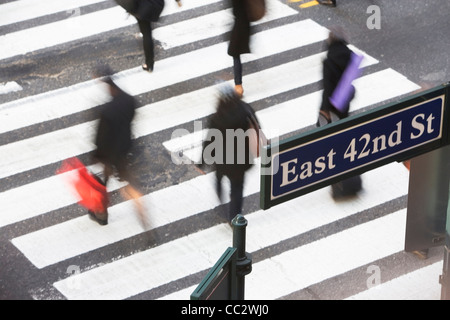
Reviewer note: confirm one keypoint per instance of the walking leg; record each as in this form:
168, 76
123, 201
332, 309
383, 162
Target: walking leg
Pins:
149, 46
237, 68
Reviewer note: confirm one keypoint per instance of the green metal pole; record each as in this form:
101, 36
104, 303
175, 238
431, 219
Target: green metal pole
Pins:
243, 259
445, 278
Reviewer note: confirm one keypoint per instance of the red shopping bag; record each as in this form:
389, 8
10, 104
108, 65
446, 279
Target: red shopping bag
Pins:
90, 189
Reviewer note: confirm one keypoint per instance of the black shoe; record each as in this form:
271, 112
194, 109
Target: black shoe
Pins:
101, 219
147, 67
329, 3
421, 254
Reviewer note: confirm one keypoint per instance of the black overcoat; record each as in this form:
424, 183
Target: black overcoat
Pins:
240, 34
113, 137
334, 65
232, 114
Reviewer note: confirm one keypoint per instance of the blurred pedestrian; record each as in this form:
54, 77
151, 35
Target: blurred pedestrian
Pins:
239, 42
330, 3
338, 60
114, 141
230, 154
146, 12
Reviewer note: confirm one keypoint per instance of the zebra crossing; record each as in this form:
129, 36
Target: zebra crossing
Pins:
296, 245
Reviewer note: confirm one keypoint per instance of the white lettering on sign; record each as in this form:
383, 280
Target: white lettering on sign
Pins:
373, 145
306, 169
295, 170
312, 161
420, 127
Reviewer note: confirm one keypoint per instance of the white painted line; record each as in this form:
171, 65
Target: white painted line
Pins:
153, 118
277, 120
83, 26
422, 284
22, 10
184, 294
157, 266
84, 96
51, 105
171, 6
164, 206
310, 264
212, 25
42, 196
9, 87
195, 105
181, 257
62, 144
370, 90
191, 197
64, 31
46, 149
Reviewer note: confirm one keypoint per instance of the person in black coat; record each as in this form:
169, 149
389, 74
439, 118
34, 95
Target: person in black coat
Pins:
337, 60
239, 42
146, 12
114, 141
232, 114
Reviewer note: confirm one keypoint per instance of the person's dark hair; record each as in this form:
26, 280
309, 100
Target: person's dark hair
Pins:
337, 34
104, 73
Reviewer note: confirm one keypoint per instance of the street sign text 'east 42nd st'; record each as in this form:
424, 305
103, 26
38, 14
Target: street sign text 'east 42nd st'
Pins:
395, 132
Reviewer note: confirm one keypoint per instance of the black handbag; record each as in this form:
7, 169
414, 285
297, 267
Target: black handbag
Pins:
256, 9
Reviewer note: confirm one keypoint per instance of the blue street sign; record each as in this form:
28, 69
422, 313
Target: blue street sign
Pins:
351, 147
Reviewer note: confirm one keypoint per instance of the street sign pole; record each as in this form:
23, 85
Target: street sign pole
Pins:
445, 278
396, 132
427, 200
226, 280
243, 259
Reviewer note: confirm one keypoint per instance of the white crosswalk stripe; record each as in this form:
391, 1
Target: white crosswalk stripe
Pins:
64, 31
372, 89
172, 70
17, 11
218, 237
139, 271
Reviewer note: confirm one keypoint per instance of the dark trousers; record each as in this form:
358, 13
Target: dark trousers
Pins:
149, 46
237, 68
236, 193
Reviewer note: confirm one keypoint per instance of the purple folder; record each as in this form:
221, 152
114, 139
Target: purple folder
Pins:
342, 94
